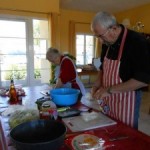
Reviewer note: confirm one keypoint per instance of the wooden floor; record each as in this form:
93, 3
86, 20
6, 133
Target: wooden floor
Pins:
145, 104
144, 120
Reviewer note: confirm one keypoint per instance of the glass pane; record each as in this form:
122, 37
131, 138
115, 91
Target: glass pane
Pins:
37, 59
89, 59
40, 28
89, 40
12, 46
11, 28
89, 50
13, 50
80, 60
37, 66
79, 50
40, 46
80, 40
18, 73
40, 66
13, 59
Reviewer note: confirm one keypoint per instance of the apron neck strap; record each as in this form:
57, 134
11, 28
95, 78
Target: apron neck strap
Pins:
122, 43
121, 46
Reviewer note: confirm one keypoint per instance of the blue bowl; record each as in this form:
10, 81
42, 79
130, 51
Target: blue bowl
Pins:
64, 96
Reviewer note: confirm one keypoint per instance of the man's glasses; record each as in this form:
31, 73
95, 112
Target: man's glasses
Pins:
102, 35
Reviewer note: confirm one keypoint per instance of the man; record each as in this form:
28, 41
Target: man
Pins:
125, 69
66, 73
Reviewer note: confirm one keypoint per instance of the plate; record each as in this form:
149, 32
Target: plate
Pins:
85, 141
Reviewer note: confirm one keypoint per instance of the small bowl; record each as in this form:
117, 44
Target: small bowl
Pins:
64, 96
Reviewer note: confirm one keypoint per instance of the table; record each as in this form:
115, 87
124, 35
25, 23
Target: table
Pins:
136, 140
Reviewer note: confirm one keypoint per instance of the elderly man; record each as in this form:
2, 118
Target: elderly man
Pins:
66, 73
125, 69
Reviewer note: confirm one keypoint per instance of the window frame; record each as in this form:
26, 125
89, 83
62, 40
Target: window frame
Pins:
30, 80
94, 43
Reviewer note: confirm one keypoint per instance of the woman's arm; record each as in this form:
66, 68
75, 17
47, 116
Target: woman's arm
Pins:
58, 83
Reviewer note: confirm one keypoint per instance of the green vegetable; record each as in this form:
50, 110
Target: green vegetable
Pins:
21, 116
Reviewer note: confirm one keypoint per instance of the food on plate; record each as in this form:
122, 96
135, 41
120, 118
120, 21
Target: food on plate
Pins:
90, 141
86, 142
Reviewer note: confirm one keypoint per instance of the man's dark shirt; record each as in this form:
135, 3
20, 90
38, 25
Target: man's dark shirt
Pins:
135, 60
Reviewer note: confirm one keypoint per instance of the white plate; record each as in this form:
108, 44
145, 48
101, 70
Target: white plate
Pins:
85, 142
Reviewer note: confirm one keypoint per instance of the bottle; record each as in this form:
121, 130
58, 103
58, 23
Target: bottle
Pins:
12, 92
48, 111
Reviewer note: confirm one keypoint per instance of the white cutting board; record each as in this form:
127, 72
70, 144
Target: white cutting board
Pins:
82, 123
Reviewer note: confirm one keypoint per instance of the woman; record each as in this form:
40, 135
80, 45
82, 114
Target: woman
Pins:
65, 72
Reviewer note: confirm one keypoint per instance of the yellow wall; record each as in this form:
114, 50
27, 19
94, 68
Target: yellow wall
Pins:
82, 21
141, 13
31, 5
62, 18
136, 14
33, 8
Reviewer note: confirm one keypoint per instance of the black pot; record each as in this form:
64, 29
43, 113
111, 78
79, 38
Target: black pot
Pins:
39, 135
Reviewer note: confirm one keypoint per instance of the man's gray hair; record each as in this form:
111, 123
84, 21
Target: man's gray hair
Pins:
53, 52
104, 19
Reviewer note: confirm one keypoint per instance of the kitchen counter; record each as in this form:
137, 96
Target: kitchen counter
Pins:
135, 139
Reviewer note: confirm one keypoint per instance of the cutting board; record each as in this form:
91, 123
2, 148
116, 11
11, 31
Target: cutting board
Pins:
83, 122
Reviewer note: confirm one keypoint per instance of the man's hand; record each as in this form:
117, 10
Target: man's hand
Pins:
97, 83
93, 90
101, 93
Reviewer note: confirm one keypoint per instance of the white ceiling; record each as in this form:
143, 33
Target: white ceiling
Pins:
101, 5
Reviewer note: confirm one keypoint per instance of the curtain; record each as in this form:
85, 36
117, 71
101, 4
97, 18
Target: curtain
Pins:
98, 47
72, 39
54, 27
54, 32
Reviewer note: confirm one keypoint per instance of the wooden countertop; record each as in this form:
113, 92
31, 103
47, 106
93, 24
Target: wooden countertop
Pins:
87, 72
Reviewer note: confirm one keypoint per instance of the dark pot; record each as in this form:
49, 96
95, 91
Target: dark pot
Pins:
39, 135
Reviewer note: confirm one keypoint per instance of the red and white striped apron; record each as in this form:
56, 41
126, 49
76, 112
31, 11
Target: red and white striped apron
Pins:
121, 105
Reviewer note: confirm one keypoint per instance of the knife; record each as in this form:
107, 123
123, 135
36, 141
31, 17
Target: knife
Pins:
118, 138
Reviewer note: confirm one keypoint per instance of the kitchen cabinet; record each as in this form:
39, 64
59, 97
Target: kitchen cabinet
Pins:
88, 77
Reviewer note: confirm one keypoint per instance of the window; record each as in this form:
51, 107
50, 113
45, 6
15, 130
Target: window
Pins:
84, 49
40, 37
23, 44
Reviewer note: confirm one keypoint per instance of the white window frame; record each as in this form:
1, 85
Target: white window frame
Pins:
30, 80
85, 34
